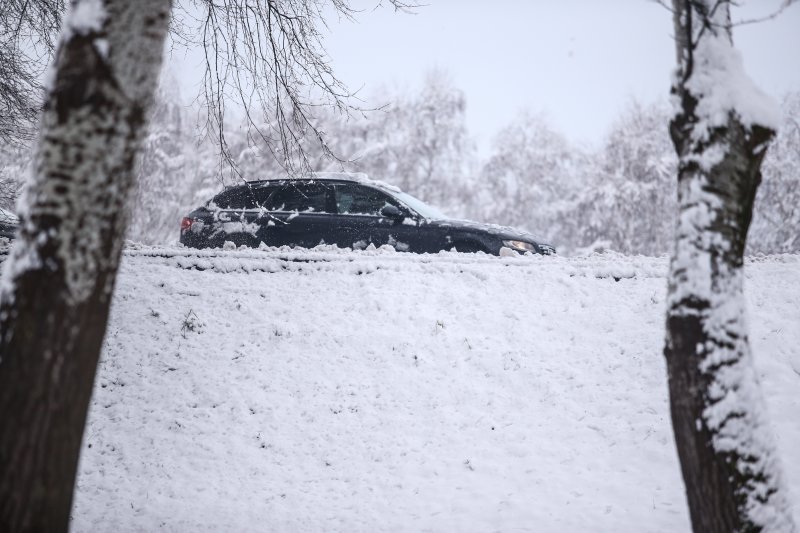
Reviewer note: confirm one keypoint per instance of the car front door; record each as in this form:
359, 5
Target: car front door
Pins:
359, 221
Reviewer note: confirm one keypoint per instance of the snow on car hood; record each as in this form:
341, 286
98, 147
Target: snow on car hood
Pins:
504, 232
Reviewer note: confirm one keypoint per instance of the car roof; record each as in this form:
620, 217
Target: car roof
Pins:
350, 177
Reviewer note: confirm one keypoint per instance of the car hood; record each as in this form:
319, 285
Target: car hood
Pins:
502, 232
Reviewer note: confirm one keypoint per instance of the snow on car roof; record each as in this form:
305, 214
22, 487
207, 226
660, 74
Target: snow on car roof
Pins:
358, 177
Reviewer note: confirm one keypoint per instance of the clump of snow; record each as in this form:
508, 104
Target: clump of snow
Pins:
87, 16
240, 226
722, 86
692, 261
597, 246
349, 176
358, 177
710, 157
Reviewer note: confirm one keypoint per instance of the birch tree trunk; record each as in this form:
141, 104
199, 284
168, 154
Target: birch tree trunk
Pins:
721, 130
58, 282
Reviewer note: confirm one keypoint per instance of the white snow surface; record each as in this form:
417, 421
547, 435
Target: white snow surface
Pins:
329, 390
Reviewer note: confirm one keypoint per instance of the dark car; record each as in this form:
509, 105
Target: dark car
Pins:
8, 224
347, 210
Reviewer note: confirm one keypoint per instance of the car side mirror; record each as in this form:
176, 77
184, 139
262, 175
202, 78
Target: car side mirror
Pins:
393, 212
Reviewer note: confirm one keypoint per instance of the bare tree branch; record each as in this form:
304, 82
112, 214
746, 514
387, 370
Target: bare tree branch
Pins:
28, 30
775, 14
263, 57
784, 5
267, 57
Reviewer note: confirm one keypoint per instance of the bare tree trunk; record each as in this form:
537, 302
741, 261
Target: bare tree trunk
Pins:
721, 133
58, 283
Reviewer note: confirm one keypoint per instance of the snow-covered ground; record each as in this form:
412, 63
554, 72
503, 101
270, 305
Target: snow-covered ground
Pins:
375, 391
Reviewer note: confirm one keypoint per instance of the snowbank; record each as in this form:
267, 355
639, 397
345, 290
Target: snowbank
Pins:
372, 391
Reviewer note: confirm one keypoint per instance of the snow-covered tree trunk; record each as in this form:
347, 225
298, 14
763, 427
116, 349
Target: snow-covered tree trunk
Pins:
721, 130
58, 282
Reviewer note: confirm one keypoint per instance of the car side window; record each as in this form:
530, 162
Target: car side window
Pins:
309, 198
262, 194
358, 200
236, 198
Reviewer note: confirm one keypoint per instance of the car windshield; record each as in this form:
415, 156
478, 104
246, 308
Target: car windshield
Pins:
418, 205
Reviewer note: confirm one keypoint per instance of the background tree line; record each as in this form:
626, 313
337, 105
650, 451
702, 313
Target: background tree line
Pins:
618, 196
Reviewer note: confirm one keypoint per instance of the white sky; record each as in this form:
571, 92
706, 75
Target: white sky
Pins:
577, 61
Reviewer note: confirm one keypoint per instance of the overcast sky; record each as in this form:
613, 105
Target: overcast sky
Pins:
577, 61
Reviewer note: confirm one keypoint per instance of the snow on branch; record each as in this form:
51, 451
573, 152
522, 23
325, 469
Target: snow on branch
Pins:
268, 57
711, 72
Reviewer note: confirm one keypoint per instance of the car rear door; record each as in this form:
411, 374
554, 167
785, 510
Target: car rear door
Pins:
299, 215
236, 213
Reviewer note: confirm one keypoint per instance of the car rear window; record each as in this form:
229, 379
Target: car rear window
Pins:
302, 198
243, 197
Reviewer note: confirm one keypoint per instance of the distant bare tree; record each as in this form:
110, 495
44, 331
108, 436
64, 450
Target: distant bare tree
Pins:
721, 133
639, 161
529, 177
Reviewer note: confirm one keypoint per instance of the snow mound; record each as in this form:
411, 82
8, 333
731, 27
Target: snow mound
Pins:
331, 390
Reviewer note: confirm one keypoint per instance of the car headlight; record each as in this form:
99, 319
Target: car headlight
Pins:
520, 246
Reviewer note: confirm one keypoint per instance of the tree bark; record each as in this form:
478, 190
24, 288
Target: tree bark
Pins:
724, 441
58, 283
